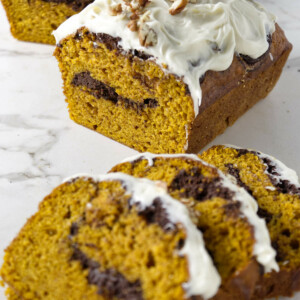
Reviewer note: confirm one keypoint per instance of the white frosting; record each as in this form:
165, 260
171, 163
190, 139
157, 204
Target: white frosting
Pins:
204, 278
285, 173
204, 36
263, 250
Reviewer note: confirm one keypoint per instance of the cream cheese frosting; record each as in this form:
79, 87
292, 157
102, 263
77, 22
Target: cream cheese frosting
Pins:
263, 250
204, 36
204, 278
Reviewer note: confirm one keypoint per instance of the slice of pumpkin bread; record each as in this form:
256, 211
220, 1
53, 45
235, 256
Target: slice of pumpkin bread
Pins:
277, 191
110, 237
234, 235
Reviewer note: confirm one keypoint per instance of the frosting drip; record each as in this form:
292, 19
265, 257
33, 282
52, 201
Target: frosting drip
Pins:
204, 36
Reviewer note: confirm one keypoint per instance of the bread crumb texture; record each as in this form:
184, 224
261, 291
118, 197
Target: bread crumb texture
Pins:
86, 242
128, 118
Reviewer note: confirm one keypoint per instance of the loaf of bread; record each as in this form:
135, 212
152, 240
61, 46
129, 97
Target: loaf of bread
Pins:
34, 20
277, 191
168, 77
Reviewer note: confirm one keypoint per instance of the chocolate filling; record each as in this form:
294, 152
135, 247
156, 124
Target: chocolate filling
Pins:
111, 43
271, 168
141, 54
285, 187
76, 5
74, 229
201, 188
97, 88
101, 90
280, 255
282, 186
111, 284
156, 213
236, 174
244, 151
232, 209
264, 214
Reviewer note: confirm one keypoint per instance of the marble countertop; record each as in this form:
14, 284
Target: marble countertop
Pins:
40, 145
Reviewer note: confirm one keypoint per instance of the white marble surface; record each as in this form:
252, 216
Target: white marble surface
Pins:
39, 145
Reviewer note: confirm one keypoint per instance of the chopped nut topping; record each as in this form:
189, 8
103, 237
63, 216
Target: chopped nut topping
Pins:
136, 6
116, 10
177, 7
134, 16
134, 10
147, 36
132, 25
143, 2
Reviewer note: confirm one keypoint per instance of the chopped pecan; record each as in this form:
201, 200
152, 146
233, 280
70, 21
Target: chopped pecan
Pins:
134, 16
132, 25
116, 10
143, 2
177, 7
147, 35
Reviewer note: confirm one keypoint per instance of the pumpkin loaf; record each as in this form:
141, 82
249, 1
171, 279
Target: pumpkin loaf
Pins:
34, 20
234, 235
277, 192
168, 77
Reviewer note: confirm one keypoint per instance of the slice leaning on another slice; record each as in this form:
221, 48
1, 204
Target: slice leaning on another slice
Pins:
234, 235
277, 191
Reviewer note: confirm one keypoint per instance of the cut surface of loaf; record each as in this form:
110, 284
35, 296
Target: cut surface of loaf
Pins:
34, 21
277, 191
164, 96
123, 97
230, 233
109, 237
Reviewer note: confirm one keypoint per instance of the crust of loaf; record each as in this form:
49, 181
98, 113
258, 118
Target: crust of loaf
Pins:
284, 283
228, 95
242, 285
